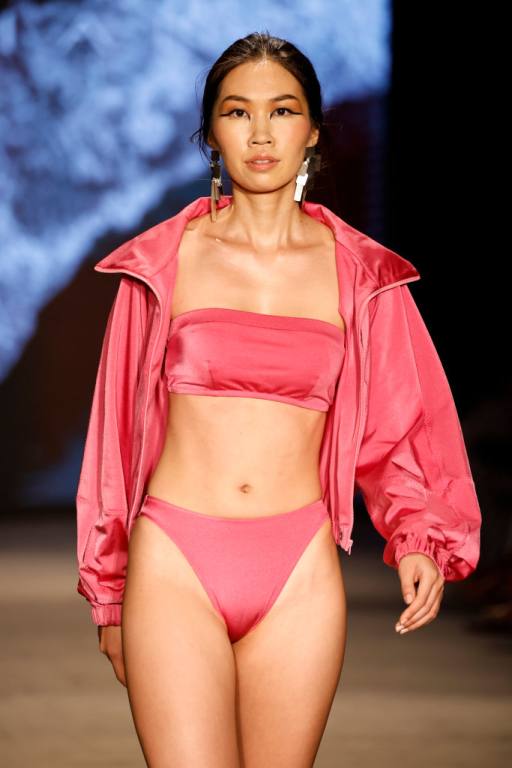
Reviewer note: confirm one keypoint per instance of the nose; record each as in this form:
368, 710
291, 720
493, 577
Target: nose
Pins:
260, 133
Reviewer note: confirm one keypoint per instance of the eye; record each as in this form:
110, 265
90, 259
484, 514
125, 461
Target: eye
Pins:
278, 109
227, 114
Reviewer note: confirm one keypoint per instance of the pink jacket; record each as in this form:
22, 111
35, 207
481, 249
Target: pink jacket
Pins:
392, 432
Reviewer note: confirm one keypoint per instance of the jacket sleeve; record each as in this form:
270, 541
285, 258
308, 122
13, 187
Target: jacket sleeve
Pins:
103, 488
412, 469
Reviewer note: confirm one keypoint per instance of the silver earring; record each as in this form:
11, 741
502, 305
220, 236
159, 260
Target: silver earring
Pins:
215, 184
312, 159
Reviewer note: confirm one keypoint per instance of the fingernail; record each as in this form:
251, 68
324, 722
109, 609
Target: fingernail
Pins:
398, 627
403, 631
408, 598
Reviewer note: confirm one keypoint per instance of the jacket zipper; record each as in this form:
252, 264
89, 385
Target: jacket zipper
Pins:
363, 399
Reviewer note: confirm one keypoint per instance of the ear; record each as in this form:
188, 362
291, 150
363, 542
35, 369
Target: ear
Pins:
313, 137
211, 142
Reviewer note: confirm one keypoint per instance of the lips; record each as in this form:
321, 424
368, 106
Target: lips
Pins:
262, 163
261, 159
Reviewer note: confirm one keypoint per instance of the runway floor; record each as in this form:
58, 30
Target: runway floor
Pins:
440, 696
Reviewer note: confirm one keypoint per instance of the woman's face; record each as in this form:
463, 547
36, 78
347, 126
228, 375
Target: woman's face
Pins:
249, 119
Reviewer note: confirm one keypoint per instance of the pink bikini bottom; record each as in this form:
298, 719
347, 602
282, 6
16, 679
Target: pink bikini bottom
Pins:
242, 563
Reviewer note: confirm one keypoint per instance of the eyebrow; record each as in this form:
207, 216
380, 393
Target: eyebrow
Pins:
283, 97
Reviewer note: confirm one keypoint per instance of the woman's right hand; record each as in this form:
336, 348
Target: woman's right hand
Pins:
111, 646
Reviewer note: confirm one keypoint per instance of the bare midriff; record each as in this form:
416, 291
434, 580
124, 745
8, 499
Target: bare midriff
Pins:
239, 456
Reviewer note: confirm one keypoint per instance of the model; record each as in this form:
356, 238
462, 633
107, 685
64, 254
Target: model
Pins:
262, 360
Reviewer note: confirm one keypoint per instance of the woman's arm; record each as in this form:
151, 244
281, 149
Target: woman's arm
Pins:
412, 469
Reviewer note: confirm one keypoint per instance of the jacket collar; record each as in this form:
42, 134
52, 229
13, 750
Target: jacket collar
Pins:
154, 249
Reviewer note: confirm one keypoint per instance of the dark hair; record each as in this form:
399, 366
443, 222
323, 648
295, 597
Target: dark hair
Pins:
253, 47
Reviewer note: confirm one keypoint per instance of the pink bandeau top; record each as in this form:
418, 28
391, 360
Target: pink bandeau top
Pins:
232, 352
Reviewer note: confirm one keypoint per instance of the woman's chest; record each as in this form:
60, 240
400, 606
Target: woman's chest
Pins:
302, 283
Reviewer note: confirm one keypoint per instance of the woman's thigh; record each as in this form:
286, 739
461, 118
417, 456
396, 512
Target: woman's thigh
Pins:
180, 671
289, 665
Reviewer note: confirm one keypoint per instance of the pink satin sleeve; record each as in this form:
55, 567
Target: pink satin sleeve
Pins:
413, 469
104, 485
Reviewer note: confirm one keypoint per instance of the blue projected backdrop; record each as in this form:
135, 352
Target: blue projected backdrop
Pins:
98, 101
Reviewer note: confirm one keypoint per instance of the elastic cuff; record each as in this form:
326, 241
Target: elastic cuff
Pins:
107, 615
412, 542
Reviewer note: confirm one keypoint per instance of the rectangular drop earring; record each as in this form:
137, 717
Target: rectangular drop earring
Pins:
310, 165
216, 183
300, 182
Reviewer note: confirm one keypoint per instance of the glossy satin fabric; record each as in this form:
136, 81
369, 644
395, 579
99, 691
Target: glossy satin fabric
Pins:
243, 563
392, 432
227, 352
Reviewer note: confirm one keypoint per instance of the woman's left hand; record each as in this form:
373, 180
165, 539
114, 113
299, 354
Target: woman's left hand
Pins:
412, 568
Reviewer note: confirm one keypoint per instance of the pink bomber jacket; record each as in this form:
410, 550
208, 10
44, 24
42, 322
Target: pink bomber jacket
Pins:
392, 432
